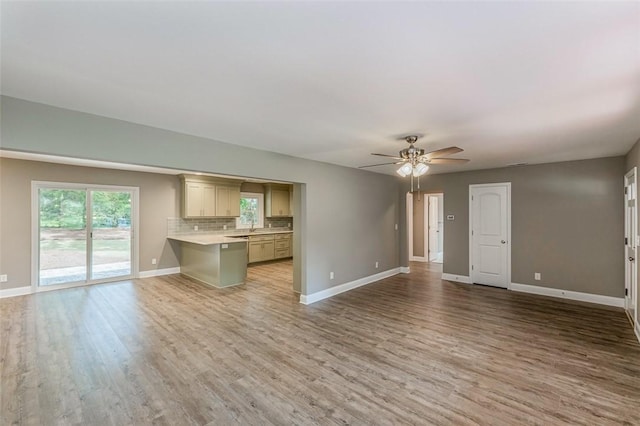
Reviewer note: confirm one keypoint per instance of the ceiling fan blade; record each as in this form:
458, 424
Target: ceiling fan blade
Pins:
390, 156
443, 152
381, 164
447, 161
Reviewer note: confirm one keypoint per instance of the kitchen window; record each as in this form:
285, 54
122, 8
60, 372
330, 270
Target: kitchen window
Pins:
251, 211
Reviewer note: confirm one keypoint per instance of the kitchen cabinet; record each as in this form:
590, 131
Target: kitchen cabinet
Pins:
199, 200
227, 200
269, 247
282, 246
277, 200
261, 248
206, 197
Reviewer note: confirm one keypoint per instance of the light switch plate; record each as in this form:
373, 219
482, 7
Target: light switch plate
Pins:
3, 278
225, 246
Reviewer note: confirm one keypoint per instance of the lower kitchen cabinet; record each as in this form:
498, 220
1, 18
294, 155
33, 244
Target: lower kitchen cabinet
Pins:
269, 247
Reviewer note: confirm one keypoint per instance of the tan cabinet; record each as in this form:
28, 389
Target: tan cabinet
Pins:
227, 200
283, 246
269, 247
204, 197
199, 199
277, 201
261, 248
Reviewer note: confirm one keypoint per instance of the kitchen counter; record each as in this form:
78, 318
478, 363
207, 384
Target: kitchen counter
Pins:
207, 239
250, 234
214, 260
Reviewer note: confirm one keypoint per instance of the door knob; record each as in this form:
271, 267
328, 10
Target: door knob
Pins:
631, 259
503, 242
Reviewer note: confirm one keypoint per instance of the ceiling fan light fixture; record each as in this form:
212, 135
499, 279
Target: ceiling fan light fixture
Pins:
420, 169
405, 170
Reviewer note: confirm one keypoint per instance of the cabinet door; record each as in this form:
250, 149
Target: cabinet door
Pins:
193, 200
255, 252
279, 203
209, 200
222, 201
268, 250
234, 201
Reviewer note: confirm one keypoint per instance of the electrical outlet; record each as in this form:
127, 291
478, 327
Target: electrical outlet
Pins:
3, 278
195, 227
331, 276
376, 265
396, 227
154, 261
537, 276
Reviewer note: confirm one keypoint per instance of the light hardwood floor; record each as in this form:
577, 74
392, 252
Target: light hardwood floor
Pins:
410, 349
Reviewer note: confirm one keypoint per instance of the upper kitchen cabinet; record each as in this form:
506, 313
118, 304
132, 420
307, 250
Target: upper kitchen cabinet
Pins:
206, 197
228, 200
277, 200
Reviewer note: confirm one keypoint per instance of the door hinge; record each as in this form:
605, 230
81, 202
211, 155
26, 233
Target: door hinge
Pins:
472, 198
625, 190
626, 241
626, 291
472, 232
472, 267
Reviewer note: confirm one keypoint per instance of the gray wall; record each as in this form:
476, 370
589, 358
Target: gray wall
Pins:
158, 200
346, 224
567, 223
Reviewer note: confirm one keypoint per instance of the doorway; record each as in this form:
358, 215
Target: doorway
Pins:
490, 233
425, 218
630, 242
83, 235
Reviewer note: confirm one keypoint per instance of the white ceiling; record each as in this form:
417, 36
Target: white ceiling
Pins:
509, 82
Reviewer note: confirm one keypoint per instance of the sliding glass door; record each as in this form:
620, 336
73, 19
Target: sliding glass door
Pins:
85, 234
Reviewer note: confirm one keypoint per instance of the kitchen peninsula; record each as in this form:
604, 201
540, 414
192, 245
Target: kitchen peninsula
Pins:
215, 260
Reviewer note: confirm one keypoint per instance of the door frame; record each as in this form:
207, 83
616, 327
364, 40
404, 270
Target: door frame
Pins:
425, 257
509, 236
428, 218
631, 283
35, 234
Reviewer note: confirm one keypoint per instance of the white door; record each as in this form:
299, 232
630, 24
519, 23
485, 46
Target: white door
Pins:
489, 245
433, 228
630, 242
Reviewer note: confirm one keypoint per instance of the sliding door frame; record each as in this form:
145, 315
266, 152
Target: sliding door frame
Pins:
35, 232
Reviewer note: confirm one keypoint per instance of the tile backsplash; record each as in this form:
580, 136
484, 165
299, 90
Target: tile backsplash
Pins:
180, 226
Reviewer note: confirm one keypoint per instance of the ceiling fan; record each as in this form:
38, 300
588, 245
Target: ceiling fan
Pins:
415, 161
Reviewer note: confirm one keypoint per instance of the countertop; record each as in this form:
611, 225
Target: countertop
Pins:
207, 239
212, 239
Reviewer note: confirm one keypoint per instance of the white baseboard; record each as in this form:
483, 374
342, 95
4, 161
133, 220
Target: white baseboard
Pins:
159, 272
325, 294
457, 278
18, 291
418, 259
571, 295
636, 328
405, 270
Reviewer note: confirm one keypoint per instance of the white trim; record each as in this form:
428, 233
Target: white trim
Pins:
418, 259
159, 272
567, 294
636, 328
325, 294
456, 278
509, 237
12, 292
405, 270
631, 282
